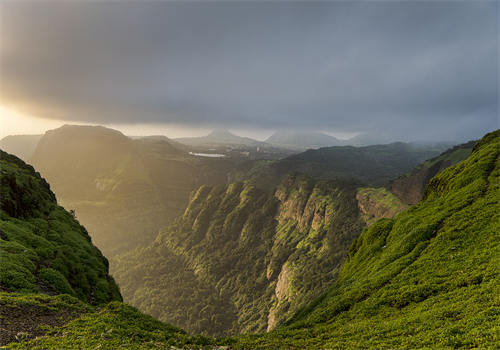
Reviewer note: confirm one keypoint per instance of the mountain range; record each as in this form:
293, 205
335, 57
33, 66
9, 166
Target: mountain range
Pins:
124, 190
425, 278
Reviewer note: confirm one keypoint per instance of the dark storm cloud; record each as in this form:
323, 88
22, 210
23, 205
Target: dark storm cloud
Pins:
415, 69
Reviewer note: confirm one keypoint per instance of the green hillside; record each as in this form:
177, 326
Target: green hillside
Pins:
410, 187
370, 165
426, 279
52, 276
73, 325
244, 259
43, 248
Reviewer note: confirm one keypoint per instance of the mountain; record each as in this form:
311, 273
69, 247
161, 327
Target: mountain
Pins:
371, 165
43, 249
410, 187
302, 140
52, 275
426, 279
218, 138
368, 139
22, 146
244, 259
123, 190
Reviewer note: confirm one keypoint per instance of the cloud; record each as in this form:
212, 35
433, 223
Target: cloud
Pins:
415, 69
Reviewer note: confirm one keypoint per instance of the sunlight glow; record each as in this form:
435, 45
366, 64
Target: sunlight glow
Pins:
16, 123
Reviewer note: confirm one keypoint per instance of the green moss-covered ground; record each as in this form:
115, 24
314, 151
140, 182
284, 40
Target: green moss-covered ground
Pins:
114, 326
42, 247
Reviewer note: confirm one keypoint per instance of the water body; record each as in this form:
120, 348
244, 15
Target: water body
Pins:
210, 155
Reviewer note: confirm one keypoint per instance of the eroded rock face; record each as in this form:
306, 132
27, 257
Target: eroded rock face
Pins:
311, 206
411, 188
377, 203
281, 292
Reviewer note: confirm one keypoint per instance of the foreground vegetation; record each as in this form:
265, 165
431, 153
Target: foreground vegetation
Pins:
42, 247
112, 326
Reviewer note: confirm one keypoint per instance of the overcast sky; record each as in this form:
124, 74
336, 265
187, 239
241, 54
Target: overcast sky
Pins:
416, 70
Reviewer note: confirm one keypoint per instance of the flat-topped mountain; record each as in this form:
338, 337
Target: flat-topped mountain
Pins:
124, 190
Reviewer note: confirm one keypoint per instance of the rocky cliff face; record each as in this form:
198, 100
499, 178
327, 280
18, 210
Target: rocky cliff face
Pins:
378, 203
266, 253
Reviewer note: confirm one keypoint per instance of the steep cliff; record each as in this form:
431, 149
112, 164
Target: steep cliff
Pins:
426, 279
258, 255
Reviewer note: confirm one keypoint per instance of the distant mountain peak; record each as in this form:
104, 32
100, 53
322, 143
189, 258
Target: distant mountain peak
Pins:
221, 133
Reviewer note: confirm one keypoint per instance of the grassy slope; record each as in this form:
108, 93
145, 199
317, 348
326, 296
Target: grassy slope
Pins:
410, 187
42, 247
112, 326
428, 278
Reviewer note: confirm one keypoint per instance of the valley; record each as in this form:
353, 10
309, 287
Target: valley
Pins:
304, 242
249, 175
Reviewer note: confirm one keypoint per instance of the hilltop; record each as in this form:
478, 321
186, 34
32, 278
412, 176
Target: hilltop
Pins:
370, 165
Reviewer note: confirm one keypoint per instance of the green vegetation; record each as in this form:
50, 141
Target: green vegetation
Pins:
410, 187
114, 326
370, 165
242, 259
425, 279
42, 247
377, 203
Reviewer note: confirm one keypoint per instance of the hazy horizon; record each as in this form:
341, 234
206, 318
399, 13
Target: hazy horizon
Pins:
418, 71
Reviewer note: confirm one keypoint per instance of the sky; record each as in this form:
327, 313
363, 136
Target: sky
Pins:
414, 70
